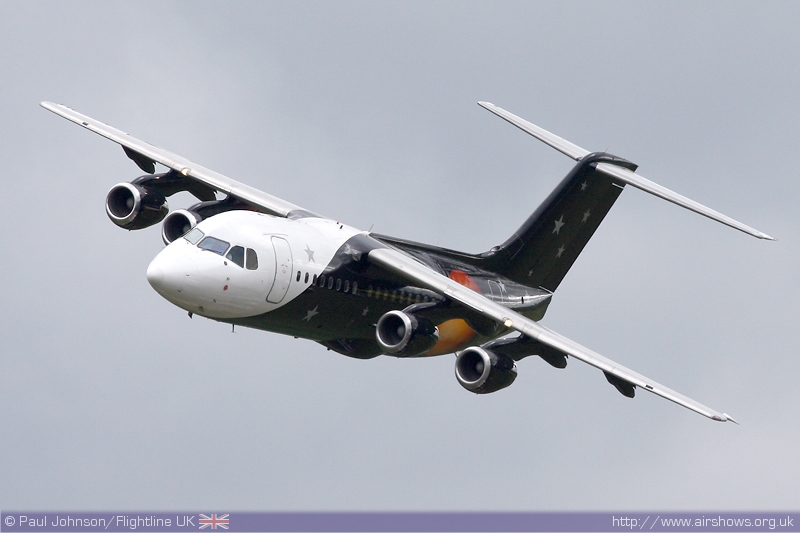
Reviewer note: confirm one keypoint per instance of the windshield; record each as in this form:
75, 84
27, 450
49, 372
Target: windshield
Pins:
212, 244
194, 236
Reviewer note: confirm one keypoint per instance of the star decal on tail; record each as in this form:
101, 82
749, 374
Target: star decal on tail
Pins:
559, 224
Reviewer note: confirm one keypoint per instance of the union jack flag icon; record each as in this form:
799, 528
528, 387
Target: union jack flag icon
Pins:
213, 521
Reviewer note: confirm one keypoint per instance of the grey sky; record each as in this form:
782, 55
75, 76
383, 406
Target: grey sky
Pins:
113, 398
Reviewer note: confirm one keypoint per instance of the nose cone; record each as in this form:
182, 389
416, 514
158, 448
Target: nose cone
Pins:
155, 275
174, 276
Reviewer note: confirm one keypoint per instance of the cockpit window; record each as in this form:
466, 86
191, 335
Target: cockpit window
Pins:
252, 260
213, 245
236, 255
194, 236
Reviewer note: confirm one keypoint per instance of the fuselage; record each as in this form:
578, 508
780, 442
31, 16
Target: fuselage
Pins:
304, 276
259, 261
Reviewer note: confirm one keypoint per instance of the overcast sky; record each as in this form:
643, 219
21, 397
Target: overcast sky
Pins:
112, 398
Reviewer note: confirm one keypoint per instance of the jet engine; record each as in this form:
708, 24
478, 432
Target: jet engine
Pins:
483, 371
178, 223
404, 334
132, 206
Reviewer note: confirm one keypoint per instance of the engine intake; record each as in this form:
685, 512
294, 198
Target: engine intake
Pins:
404, 334
482, 371
178, 223
132, 206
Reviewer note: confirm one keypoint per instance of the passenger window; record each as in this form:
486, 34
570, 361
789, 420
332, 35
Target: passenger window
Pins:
338, 284
314, 280
330, 282
213, 245
194, 236
346, 286
236, 255
322, 280
252, 260
306, 279
355, 287
298, 275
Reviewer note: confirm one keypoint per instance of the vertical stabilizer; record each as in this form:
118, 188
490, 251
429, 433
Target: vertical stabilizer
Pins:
542, 250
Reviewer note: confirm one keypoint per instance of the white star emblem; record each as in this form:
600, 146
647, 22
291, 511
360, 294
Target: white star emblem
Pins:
310, 314
559, 225
584, 185
365, 311
560, 251
310, 253
530, 272
586, 215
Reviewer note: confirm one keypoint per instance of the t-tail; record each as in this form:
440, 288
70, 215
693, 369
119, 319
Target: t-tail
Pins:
542, 250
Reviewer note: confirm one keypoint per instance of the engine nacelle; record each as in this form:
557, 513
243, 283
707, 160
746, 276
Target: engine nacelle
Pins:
178, 223
483, 371
403, 334
132, 206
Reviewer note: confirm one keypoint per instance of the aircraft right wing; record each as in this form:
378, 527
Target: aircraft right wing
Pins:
145, 154
405, 266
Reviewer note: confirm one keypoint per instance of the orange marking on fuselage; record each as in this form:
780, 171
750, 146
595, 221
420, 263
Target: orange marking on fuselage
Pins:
461, 277
455, 334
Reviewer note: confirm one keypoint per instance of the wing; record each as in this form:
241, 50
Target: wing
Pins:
145, 155
619, 173
403, 265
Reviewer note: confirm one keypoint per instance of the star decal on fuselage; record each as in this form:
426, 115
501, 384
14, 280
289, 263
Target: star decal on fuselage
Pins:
560, 251
559, 224
310, 253
586, 215
365, 311
584, 185
310, 314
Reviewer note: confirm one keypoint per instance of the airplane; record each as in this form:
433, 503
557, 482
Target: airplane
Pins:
251, 259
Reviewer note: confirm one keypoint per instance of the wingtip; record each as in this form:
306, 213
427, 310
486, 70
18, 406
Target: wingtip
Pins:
725, 418
767, 237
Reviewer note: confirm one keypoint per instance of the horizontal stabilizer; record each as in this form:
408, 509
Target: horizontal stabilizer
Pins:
550, 139
619, 172
635, 180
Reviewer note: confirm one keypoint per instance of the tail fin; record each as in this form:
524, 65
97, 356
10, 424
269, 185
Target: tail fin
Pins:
544, 248
541, 252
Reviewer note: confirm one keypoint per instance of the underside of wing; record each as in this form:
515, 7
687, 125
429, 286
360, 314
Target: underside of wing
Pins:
623, 378
146, 155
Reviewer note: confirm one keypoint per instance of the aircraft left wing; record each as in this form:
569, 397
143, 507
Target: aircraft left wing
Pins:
414, 271
145, 154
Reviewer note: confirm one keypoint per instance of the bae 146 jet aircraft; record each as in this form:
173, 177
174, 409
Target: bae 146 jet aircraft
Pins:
254, 260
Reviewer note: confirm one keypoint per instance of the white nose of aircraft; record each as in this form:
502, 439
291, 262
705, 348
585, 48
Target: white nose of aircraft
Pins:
155, 274
175, 277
